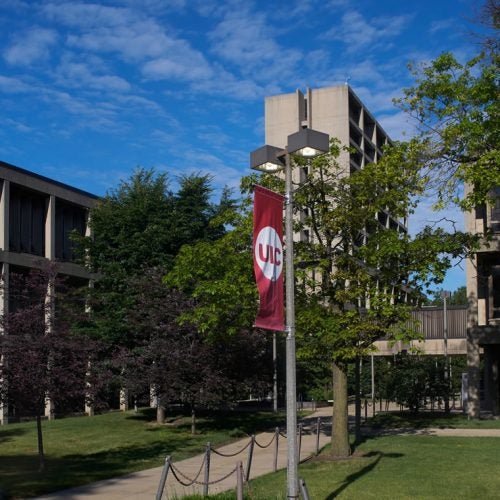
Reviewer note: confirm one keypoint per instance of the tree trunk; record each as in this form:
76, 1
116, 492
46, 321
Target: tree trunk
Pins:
193, 422
357, 403
160, 413
340, 430
41, 455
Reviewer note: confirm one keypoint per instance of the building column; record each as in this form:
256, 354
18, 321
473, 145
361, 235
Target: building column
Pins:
124, 406
4, 215
489, 355
50, 253
473, 370
4, 309
50, 228
495, 380
4, 245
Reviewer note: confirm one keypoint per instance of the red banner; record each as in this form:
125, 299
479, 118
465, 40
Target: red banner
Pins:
268, 257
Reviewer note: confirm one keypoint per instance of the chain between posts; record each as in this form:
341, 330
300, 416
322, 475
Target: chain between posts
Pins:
176, 471
230, 455
177, 474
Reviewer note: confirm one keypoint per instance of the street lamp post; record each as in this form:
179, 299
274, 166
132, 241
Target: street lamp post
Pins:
309, 143
446, 295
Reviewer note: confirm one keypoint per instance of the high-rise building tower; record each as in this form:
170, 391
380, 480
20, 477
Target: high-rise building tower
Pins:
338, 112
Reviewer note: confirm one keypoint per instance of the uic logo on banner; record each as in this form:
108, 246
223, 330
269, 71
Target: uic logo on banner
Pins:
269, 253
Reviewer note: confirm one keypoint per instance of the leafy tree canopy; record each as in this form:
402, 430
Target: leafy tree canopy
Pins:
457, 109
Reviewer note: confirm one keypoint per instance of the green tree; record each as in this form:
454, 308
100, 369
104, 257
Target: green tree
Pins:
458, 297
355, 277
219, 276
457, 109
141, 224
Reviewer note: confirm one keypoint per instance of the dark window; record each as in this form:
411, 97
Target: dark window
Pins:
69, 218
496, 295
27, 221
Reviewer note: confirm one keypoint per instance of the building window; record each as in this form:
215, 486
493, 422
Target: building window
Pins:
496, 295
27, 221
69, 218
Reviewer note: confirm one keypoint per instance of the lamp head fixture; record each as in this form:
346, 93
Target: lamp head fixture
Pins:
305, 142
267, 159
308, 143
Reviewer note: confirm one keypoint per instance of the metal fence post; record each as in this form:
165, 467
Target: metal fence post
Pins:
239, 481
276, 447
300, 440
163, 478
303, 490
318, 424
207, 470
250, 456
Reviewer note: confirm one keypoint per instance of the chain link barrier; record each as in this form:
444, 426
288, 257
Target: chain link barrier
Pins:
263, 447
231, 455
186, 481
176, 471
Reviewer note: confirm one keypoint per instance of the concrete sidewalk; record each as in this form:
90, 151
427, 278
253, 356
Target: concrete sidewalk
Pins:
144, 484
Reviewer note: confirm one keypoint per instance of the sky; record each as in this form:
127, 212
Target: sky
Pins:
91, 90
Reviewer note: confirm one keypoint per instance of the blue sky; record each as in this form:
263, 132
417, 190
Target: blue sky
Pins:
91, 90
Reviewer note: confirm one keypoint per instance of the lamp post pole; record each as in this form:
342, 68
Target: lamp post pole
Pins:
307, 143
291, 403
445, 295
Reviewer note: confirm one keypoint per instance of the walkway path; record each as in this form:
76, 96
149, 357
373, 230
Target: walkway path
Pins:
143, 484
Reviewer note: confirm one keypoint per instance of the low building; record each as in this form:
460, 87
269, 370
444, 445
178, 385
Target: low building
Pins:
37, 216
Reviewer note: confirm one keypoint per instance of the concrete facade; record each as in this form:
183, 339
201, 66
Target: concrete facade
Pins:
483, 292
338, 112
37, 215
430, 327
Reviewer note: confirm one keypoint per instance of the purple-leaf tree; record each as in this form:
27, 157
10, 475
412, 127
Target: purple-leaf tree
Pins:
42, 359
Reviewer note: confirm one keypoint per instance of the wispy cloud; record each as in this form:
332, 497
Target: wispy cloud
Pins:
11, 85
79, 74
246, 40
356, 32
30, 47
442, 24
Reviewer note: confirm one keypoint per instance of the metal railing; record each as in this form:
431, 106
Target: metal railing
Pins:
241, 474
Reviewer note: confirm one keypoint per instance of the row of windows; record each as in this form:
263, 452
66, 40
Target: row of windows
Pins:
27, 216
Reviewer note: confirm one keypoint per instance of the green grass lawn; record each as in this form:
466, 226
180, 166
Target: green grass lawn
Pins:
396, 467
82, 449
422, 420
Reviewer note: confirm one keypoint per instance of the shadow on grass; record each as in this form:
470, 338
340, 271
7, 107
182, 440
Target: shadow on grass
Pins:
20, 474
351, 478
21, 479
6, 435
209, 421
419, 420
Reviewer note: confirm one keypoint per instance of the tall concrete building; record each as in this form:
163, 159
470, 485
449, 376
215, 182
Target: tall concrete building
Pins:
37, 215
338, 112
483, 292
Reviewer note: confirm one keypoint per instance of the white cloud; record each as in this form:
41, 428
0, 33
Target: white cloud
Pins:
77, 74
189, 65
17, 125
11, 85
357, 33
30, 47
244, 39
136, 39
442, 25
398, 125
83, 15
